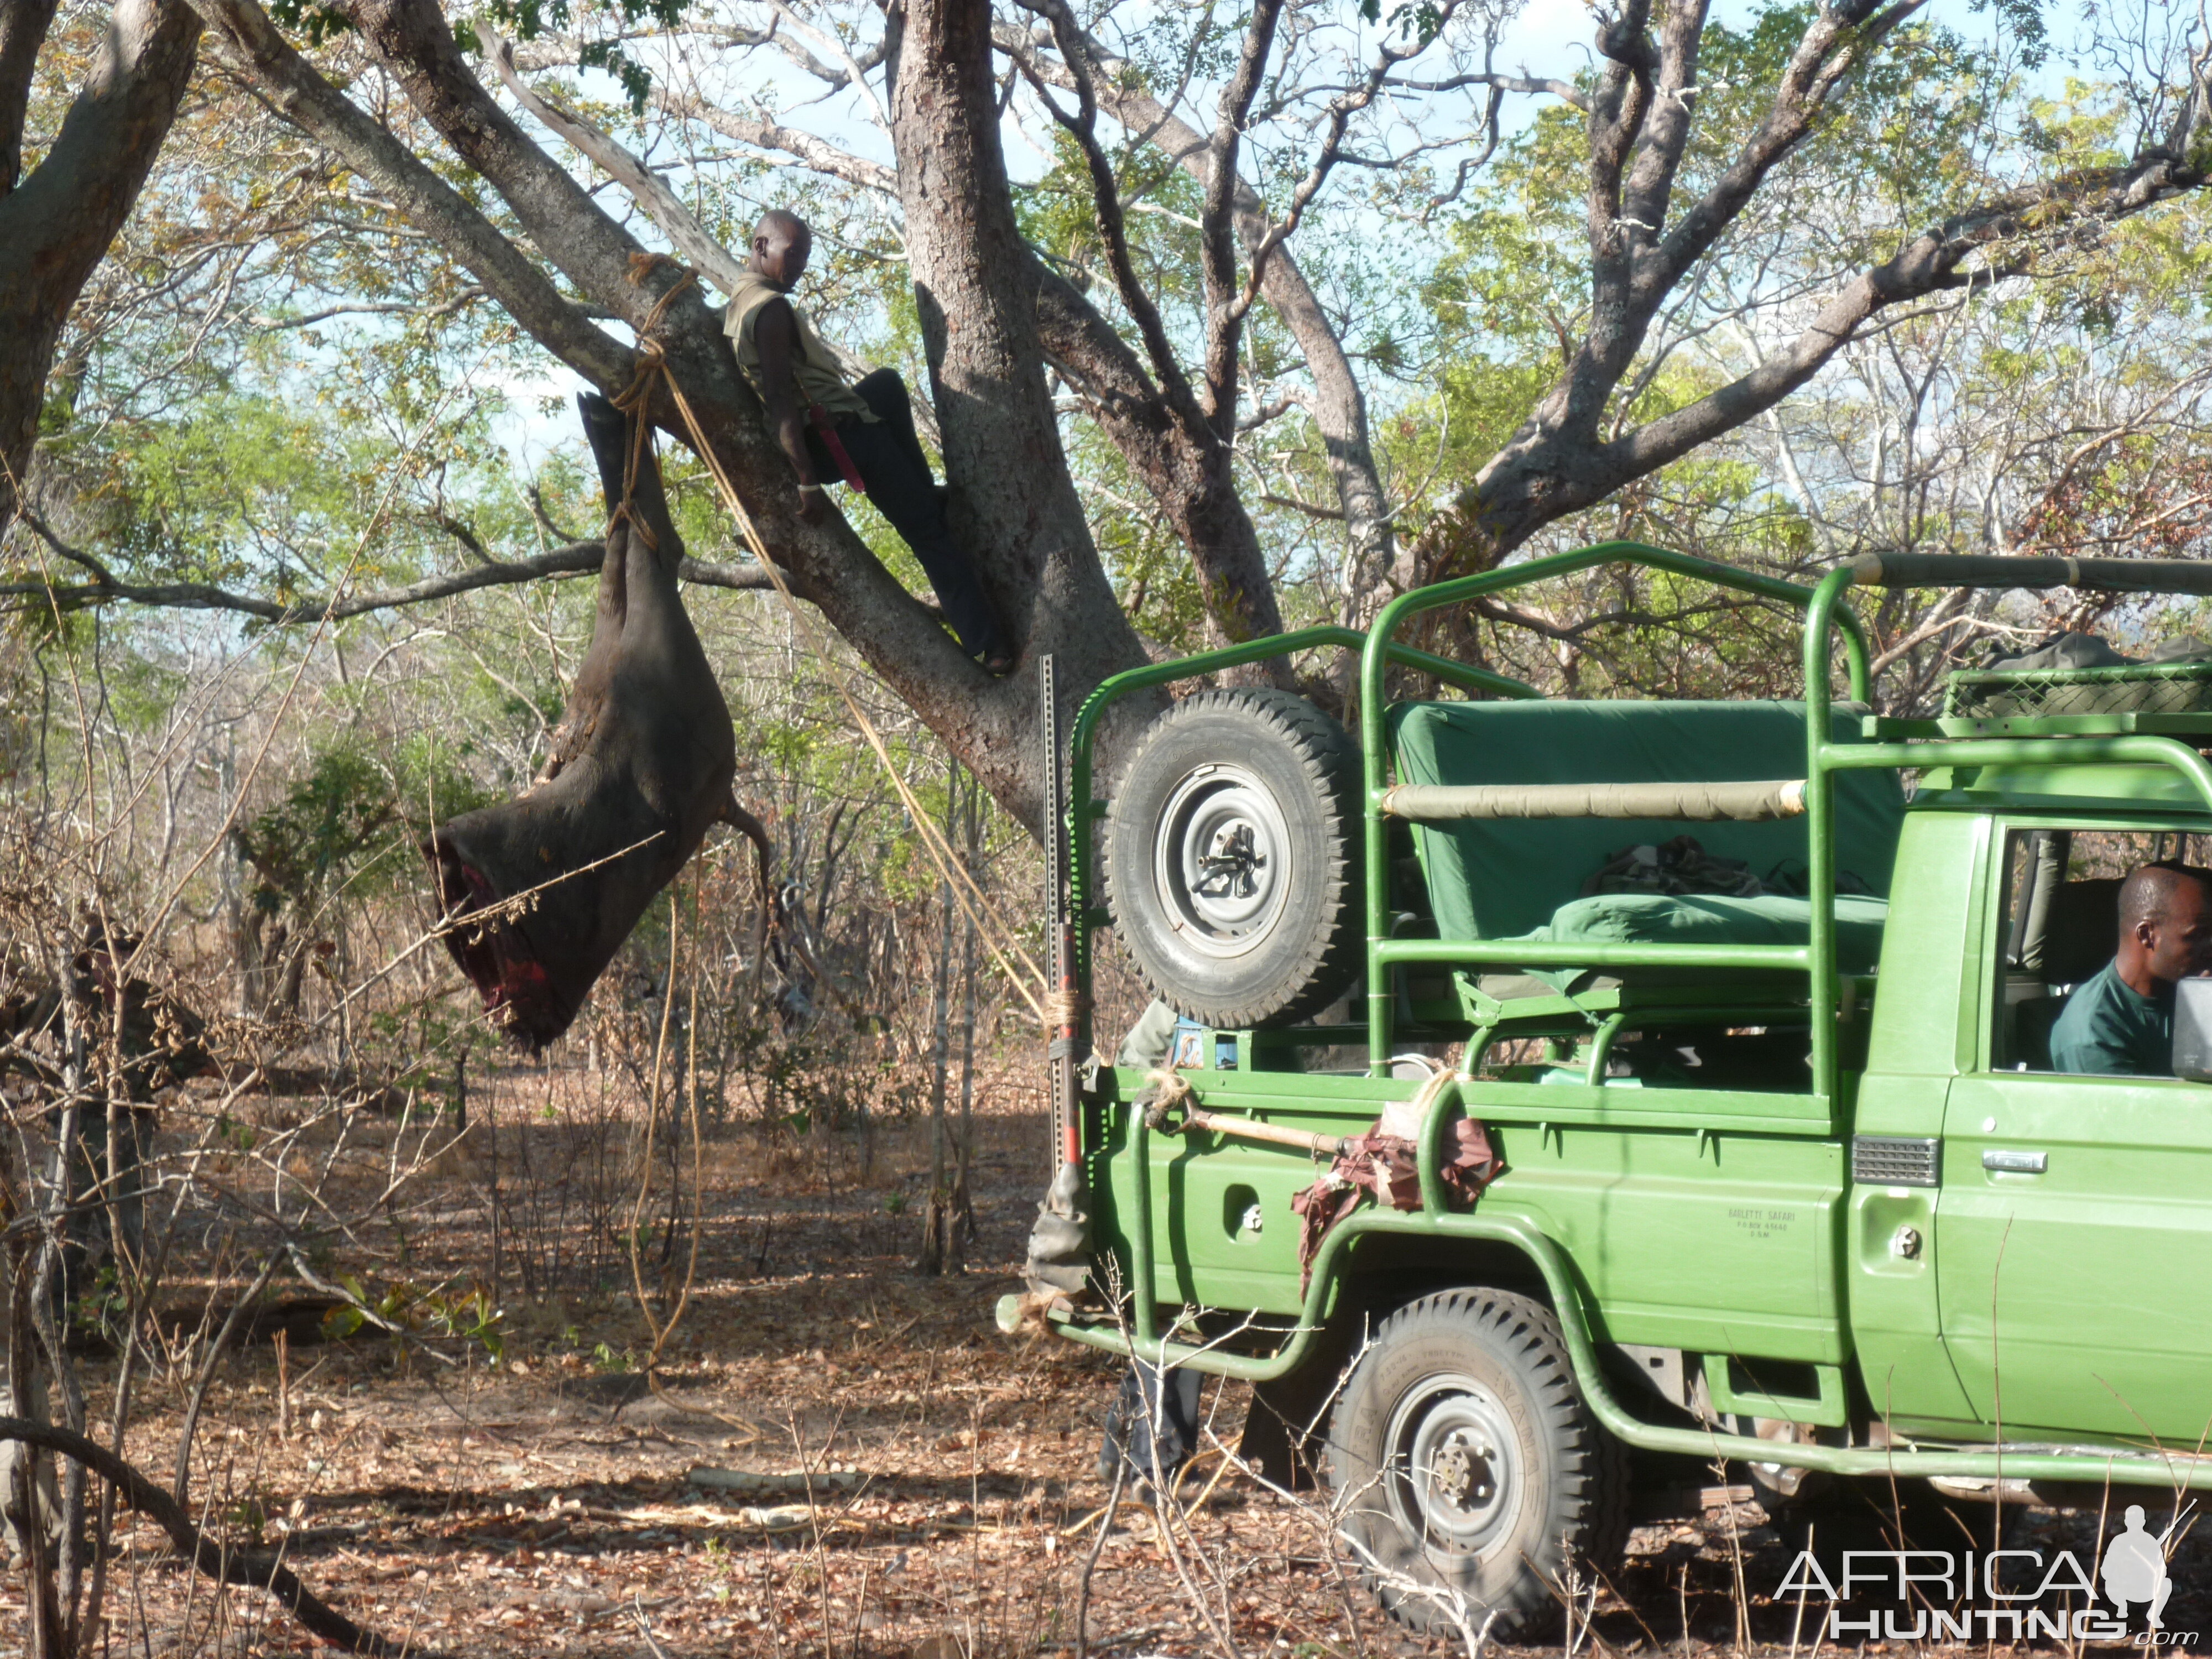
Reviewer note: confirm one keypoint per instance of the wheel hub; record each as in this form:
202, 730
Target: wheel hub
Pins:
1227, 871
1218, 864
1455, 1466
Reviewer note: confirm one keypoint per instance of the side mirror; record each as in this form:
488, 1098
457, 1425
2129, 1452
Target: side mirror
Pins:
2193, 1029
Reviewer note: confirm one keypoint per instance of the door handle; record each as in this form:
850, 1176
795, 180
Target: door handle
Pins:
2006, 1162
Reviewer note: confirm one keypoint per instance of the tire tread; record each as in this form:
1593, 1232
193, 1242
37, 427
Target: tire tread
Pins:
1331, 761
1594, 1466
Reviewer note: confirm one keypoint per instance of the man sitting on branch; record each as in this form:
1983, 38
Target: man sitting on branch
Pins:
861, 433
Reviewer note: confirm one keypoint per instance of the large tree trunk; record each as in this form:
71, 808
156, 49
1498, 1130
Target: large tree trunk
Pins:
1013, 499
641, 767
56, 225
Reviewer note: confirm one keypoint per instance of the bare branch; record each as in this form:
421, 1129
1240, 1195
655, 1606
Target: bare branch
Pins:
44, 532
1216, 246
1339, 405
242, 35
817, 154
1082, 125
580, 558
1341, 109
226, 1565
661, 204
1565, 91
2035, 214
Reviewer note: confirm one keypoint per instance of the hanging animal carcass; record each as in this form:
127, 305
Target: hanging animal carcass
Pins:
539, 893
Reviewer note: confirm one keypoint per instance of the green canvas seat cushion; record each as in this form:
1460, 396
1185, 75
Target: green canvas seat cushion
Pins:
1498, 878
1704, 919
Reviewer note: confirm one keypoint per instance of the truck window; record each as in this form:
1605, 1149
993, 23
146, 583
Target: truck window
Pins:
2060, 924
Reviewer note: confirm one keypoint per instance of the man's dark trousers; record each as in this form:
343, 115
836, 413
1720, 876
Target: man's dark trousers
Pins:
887, 455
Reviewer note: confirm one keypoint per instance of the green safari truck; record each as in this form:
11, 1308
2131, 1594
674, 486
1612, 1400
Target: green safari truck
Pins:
1781, 1175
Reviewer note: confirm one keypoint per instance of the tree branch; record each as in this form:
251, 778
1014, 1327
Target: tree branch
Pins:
579, 559
24, 26
1534, 483
1216, 242
1927, 264
1565, 91
1176, 457
1341, 109
255, 1569
816, 153
1339, 405
1082, 125
646, 188
57, 224
1667, 129
44, 534
249, 44
1835, 43
412, 40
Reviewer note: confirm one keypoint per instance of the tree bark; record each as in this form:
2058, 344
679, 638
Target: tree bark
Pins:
1013, 497
56, 225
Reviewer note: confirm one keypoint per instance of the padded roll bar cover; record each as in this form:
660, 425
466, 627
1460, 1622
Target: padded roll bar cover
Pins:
1756, 801
1995, 570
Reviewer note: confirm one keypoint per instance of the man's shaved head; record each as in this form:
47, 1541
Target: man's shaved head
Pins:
2166, 928
782, 225
2149, 894
781, 243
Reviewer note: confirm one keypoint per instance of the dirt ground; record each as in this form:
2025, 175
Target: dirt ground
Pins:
838, 1457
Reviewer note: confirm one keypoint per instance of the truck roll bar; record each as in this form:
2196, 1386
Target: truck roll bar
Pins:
1692, 803
1998, 570
1833, 618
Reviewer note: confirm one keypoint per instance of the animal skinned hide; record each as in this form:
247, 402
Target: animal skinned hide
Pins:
539, 893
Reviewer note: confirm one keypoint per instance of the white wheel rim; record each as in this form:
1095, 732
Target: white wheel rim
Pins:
1452, 1478
1221, 861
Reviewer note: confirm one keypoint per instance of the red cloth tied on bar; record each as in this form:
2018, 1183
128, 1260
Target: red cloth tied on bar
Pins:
1387, 1168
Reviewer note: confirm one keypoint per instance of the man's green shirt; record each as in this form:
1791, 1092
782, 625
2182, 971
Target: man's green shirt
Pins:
2107, 1027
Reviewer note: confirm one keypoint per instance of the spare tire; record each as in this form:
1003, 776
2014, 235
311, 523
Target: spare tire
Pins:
1233, 858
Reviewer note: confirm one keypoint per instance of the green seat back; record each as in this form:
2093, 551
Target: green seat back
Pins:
1494, 878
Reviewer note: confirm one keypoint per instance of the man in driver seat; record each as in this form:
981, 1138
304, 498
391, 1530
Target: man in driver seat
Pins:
2119, 1022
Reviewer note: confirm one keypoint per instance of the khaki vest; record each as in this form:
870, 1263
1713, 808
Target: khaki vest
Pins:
812, 368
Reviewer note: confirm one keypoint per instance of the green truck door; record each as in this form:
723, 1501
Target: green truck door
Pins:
2076, 1219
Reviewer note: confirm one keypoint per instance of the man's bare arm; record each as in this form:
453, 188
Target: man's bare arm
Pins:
775, 337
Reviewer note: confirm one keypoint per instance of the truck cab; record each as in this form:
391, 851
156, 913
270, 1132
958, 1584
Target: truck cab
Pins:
1692, 1095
